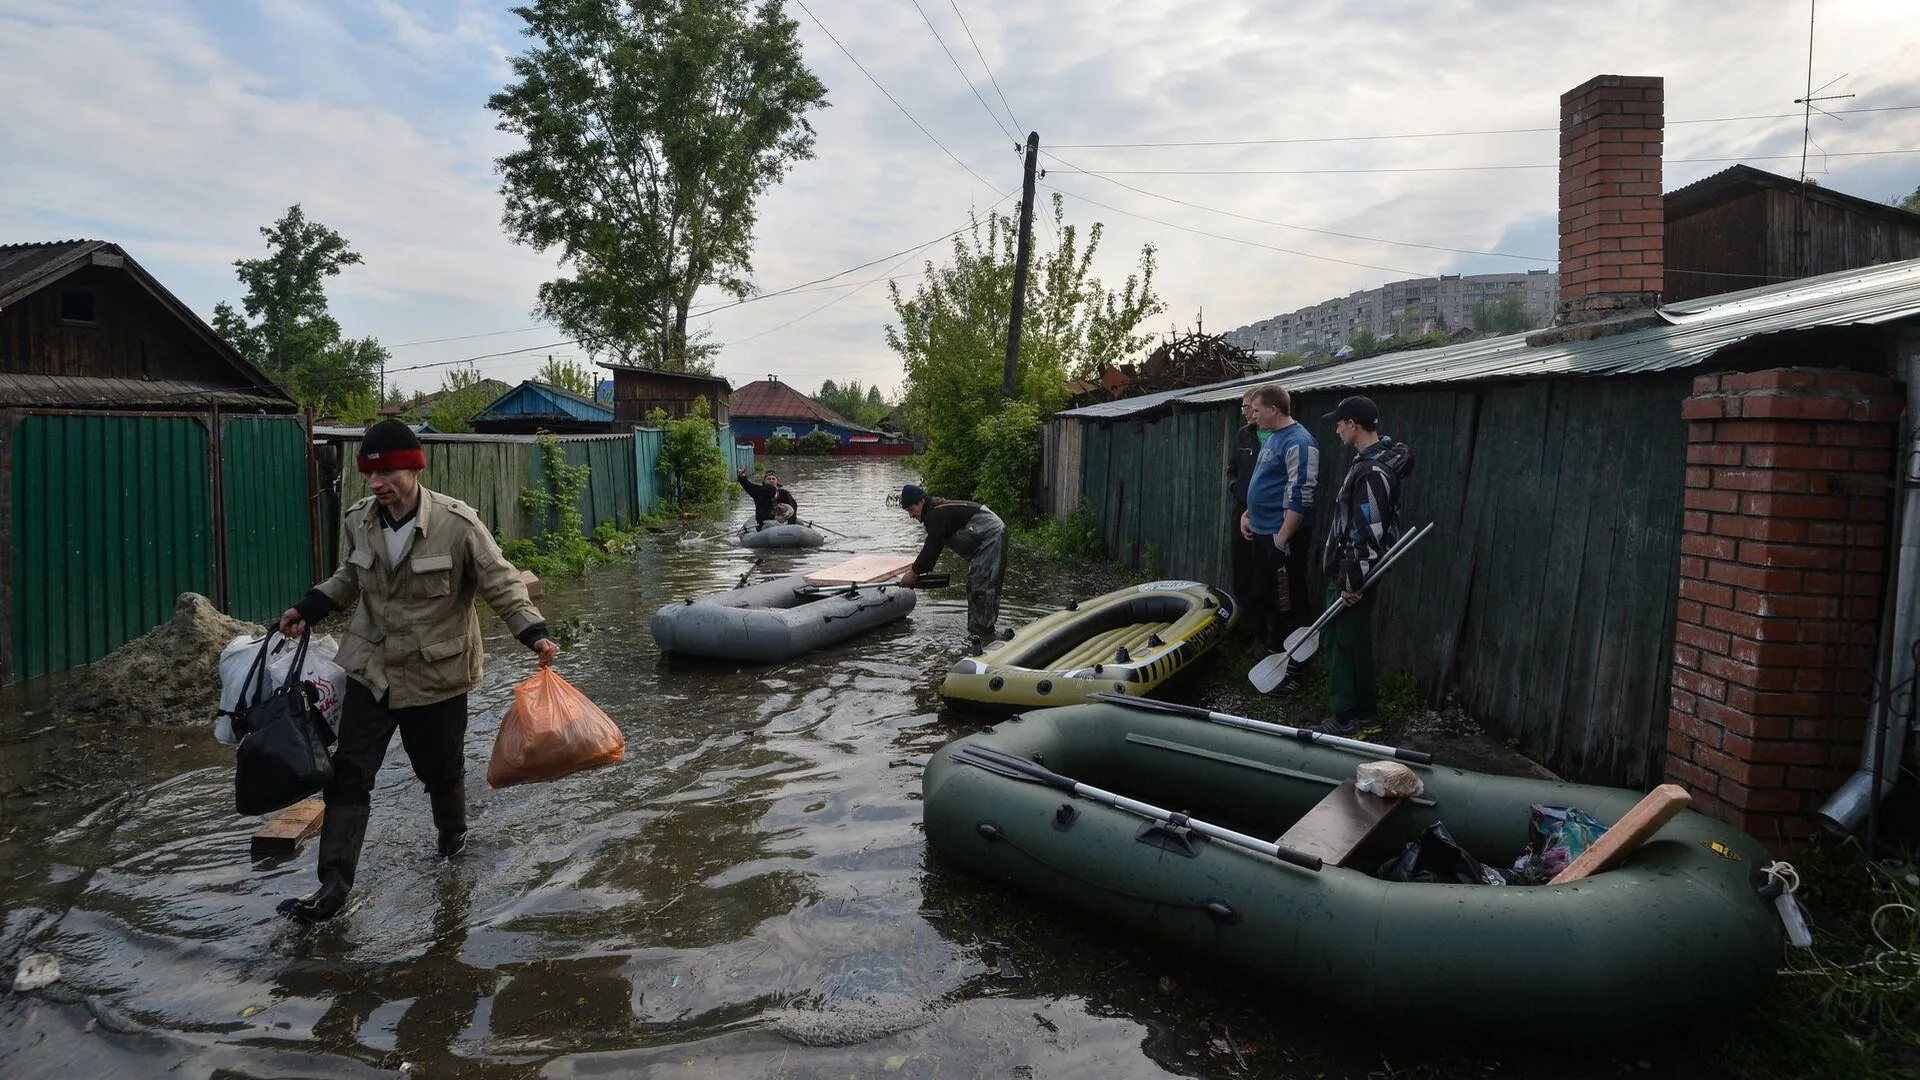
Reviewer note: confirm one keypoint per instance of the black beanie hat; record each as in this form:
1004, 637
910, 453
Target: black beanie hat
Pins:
391, 444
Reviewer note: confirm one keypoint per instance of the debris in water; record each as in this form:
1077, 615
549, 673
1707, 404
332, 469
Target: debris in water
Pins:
1046, 1023
249, 1011
170, 674
36, 971
1007, 970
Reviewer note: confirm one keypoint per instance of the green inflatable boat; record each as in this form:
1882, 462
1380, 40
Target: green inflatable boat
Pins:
1676, 934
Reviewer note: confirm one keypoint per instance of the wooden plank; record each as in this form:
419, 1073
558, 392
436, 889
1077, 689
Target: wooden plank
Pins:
285, 831
1634, 828
1338, 823
862, 570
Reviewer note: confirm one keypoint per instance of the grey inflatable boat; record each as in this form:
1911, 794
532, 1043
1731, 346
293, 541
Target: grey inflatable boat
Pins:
776, 620
779, 536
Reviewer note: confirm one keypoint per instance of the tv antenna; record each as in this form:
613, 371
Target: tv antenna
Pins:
1809, 106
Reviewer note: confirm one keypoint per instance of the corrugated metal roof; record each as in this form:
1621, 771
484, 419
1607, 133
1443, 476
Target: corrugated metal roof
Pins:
1694, 331
23, 265
76, 392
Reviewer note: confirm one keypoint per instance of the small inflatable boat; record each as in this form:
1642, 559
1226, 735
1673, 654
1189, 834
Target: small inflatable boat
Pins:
775, 620
1126, 642
779, 536
1677, 933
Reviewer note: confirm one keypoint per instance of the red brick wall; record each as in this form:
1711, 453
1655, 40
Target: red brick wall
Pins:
1612, 220
1782, 554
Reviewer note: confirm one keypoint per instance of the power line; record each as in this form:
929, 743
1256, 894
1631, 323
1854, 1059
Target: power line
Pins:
1303, 228
1444, 168
1237, 239
987, 66
468, 337
1443, 134
995, 117
890, 97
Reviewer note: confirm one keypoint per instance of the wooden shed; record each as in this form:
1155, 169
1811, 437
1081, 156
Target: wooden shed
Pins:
142, 458
638, 391
1743, 227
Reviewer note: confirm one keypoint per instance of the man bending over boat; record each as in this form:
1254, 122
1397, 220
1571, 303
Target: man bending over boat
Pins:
1366, 522
976, 534
771, 502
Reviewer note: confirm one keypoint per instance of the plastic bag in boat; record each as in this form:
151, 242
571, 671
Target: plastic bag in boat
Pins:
1557, 835
1436, 857
551, 730
237, 669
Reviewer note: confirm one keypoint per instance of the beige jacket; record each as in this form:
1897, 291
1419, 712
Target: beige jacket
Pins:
415, 636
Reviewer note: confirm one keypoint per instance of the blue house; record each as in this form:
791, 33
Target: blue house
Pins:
771, 407
534, 406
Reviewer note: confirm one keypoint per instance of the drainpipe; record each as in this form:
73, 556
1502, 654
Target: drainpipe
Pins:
1886, 741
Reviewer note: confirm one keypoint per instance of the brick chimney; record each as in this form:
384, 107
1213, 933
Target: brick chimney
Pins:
1612, 220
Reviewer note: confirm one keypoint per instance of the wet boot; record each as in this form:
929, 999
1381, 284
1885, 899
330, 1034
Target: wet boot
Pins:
450, 818
342, 833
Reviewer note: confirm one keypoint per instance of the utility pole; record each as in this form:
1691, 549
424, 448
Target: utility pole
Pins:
1010, 378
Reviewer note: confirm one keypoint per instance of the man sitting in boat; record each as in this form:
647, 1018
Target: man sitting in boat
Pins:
976, 534
771, 502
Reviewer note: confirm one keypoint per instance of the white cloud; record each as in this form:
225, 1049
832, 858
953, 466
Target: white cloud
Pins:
180, 128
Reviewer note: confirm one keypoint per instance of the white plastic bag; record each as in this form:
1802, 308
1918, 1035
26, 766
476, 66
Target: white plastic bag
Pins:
329, 679
1388, 779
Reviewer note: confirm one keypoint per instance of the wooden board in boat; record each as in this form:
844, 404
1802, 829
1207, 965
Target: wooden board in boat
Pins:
862, 570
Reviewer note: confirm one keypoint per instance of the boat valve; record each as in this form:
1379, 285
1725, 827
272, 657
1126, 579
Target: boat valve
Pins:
990, 831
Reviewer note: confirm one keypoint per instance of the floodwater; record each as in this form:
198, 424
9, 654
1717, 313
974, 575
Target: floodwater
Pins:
747, 894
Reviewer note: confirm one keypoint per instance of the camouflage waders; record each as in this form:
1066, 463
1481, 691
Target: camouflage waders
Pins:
984, 544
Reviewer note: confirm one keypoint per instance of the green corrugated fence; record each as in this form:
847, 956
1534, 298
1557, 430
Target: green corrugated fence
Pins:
269, 533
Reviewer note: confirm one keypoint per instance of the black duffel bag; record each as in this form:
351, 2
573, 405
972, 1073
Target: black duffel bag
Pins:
282, 757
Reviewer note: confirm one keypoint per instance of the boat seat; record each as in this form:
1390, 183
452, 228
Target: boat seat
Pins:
1338, 823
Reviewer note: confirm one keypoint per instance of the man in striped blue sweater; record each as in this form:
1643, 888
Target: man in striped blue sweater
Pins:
1279, 514
1366, 522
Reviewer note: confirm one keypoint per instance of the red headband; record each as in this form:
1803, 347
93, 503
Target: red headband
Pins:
392, 459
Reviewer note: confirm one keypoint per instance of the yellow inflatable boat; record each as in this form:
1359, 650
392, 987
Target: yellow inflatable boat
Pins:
1126, 642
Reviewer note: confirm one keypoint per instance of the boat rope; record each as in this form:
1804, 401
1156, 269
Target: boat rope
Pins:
1785, 874
858, 608
1215, 908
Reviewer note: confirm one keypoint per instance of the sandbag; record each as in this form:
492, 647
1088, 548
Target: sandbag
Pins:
237, 667
551, 730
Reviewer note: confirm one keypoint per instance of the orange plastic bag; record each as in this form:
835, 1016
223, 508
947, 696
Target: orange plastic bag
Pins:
551, 730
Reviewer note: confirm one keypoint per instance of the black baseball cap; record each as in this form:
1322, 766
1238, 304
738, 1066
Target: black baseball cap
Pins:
1361, 410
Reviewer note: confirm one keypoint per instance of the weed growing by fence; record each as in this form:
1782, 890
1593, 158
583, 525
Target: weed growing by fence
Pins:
559, 549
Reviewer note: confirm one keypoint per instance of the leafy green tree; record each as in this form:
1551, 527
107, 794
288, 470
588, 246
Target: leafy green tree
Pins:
567, 375
651, 129
1010, 462
819, 441
1506, 315
1911, 203
1364, 343
692, 466
952, 336
862, 405
463, 393
286, 330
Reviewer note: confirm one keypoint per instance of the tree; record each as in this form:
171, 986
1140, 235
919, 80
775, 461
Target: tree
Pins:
651, 129
692, 465
952, 336
1506, 315
287, 331
463, 393
863, 406
567, 375
1911, 202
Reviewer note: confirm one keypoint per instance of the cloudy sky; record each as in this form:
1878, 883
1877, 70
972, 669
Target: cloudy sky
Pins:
178, 127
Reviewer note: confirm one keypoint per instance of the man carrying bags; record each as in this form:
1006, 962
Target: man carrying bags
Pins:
1366, 522
415, 560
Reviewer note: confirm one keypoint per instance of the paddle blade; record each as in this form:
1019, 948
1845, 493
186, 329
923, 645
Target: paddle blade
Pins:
1302, 644
1267, 675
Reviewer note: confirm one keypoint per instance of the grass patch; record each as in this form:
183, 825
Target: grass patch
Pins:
1851, 1005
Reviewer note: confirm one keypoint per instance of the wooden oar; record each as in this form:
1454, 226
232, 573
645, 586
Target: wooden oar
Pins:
1358, 746
1268, 674
1019, 768
925, 581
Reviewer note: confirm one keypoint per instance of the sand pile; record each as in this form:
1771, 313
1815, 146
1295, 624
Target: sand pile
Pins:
169, 675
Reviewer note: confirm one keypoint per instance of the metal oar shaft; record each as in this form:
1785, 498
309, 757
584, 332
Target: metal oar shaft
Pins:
1005, 764
1247, 723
